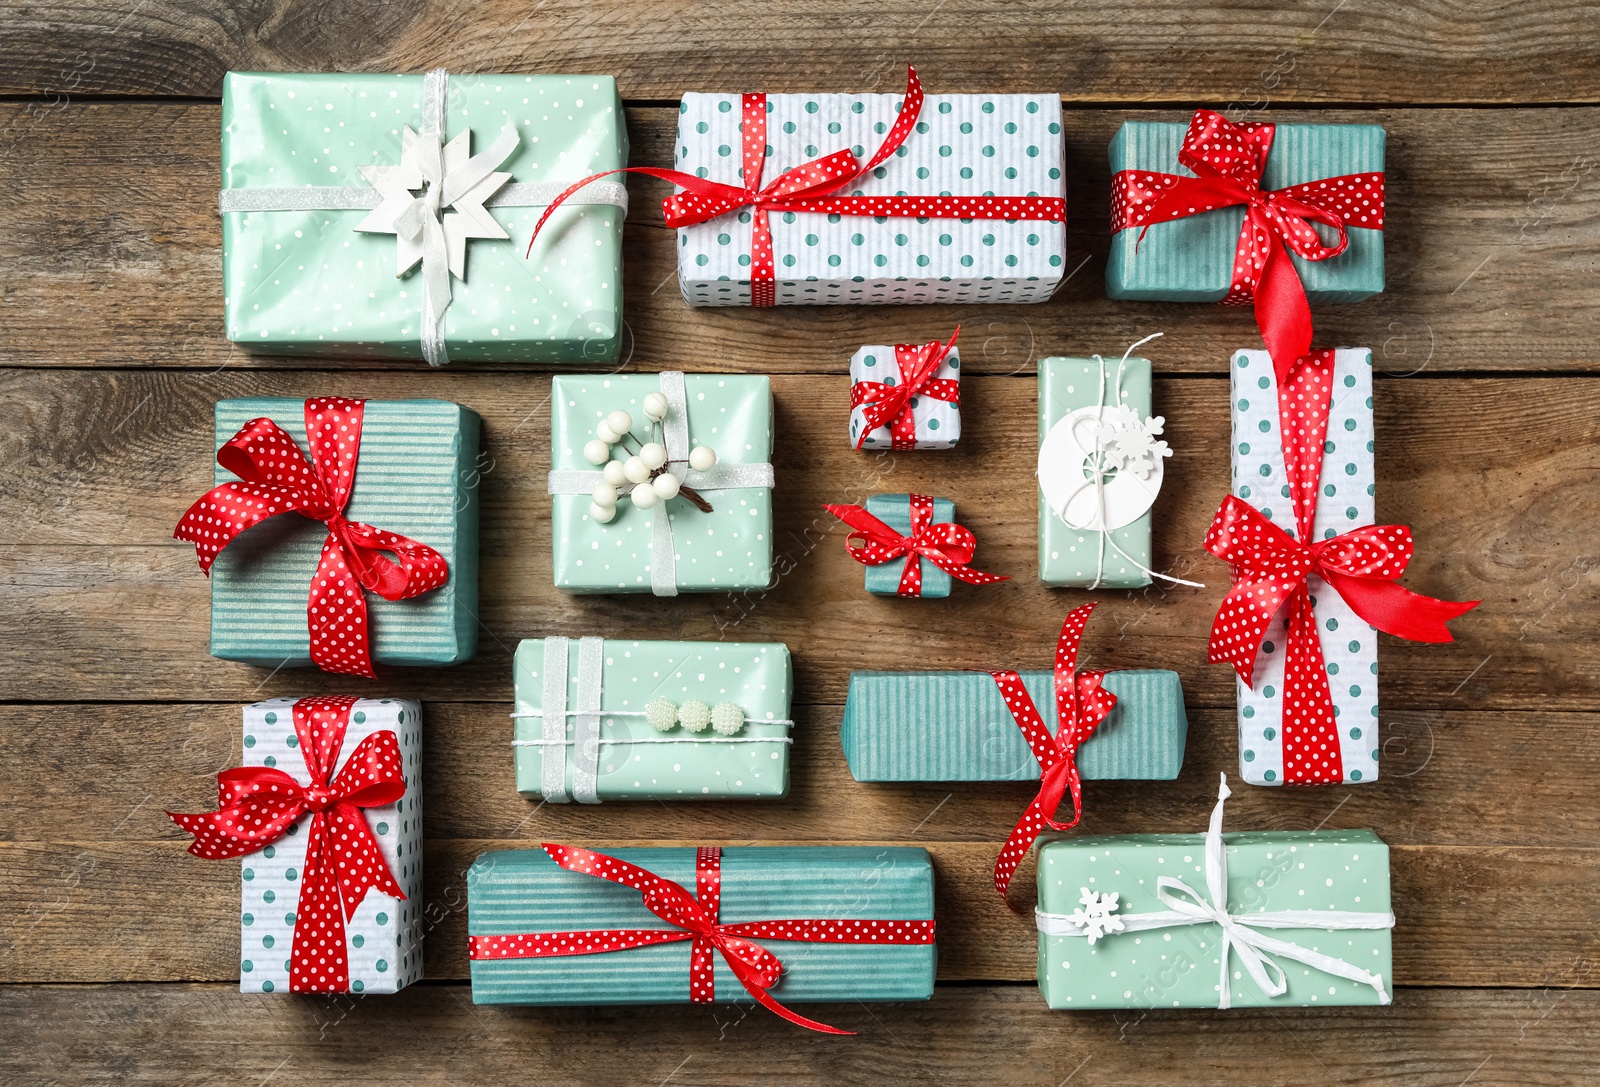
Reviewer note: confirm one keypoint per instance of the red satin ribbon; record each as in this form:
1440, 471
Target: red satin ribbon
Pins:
1228, 160
891, 404
1081, 704
258, 804
275, 477
948, 546
1271, 568
694, 917
810, 187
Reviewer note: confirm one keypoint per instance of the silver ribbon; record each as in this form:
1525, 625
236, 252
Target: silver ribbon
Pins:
447, 178
1189, 907
721, 477
586, 721
554, 788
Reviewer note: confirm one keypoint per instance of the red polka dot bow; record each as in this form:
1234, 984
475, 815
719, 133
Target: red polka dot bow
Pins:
891, 403
257, 805
695, 917
1081, 704
275, 477
1271, 568
1228, 160
948, 546
812, 187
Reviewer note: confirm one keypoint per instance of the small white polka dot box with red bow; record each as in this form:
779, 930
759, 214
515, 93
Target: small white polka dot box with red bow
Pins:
929, 418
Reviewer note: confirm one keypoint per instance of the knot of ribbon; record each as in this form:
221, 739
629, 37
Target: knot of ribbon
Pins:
1228, 159
1272, 569
1081, 704
276, 477
696, 917
256, 806
948, 546
814, 187
886, 403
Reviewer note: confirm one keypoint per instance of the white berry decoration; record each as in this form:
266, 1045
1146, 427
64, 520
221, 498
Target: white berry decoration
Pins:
644, 496
694, 715
727, 719
666, 486
636, 469
654, 455
655, 407
661, 714
604, 433
602, 514
620, 421
612, 473
605, 495
642, 471
596, 451
702, 458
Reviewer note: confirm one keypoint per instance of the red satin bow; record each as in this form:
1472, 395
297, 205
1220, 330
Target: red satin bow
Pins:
1081, 704
810, 187
1228, 160
1271, 568
258, 804
694, 917
891, 404
275, 478
948, 546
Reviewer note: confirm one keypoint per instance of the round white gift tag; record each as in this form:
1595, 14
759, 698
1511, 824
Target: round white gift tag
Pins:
1109, 442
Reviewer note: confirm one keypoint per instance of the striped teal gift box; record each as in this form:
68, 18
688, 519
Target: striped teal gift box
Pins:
417, 475
954, 726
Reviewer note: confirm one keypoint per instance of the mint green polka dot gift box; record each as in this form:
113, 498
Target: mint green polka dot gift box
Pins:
335, 185
962, 145
1345, 500
383, 938
664, 720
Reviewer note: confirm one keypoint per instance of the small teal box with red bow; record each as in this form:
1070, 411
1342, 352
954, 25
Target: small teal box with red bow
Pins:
894, 510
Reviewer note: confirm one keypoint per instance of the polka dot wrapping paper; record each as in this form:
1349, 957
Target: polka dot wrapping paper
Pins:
894, 510
755, 676
524, 891
307, 282
962, 145
1179, 967
383, 938
1191, 259
937, 423
1345, 500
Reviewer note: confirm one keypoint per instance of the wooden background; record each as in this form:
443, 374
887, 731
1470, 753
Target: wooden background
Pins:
119, 954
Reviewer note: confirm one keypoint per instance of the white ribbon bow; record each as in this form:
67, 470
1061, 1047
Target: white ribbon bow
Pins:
1190, 907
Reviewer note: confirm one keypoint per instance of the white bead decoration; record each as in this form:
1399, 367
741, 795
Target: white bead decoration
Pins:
605, 495
612, 473
606, 434
596, 451
644, 496
727, 719
661, 714
655, 407
702, 458
620, 421
654, 455
694, 715
666, 485
602, 514
641, 476
636, 470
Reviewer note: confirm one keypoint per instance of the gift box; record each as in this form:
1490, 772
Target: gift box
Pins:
673, 545
415, 474
894, 510
298, 856
1100, 468
913, 228
323, 195
1135, 920
955, 726
664, 725
857, 925
1191, 259
928, 418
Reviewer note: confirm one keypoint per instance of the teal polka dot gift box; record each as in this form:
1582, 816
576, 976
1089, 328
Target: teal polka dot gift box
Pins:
334, 185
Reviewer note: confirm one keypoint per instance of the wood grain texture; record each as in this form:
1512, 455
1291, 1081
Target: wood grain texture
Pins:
1493, 217
1147, 51
432, 1036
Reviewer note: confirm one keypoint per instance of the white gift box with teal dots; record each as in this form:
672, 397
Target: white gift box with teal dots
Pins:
383, 937
961, 145
1344, 502
937, 422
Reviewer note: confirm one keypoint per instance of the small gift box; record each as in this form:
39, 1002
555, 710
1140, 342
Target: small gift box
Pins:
911, 545
608, 719
326, 814
375, 478
778, 924
1213, 920
906, 397
1100, 467
331, 181
661, 483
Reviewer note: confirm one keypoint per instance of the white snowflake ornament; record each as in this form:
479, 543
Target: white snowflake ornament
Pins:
1097, 914
1129, 444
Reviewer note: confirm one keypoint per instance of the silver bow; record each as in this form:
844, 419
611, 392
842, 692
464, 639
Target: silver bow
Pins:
1189, 907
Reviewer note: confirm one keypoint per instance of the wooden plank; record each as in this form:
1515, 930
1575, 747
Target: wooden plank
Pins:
105, 772
1152, 51
99, 604
1493, 215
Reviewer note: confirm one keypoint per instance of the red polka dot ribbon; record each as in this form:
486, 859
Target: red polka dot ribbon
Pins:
1270, 571
695, 917
1228, 159
891, 403
257, 805
275, 477
1081, 704
811, 187
950, 547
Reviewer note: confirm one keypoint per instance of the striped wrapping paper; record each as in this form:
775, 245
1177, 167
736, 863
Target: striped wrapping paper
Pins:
954, 726
417, 475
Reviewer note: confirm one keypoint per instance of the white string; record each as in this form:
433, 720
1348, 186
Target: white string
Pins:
662, 740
